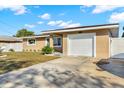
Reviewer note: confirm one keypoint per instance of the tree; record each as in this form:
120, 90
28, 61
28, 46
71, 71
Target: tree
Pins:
24, 32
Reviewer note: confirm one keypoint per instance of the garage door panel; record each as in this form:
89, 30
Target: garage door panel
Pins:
81, 45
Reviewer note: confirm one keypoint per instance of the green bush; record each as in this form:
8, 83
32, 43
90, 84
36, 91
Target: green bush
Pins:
11, 50
47, 50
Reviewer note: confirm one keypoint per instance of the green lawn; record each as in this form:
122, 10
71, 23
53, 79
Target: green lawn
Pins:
15, 61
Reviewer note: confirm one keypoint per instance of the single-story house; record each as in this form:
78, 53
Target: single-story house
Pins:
8, 43
91, 41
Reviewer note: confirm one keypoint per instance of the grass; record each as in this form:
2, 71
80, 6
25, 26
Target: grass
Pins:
15, 60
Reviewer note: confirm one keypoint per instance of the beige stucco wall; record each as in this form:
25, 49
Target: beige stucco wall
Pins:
64, 43
102, 42
40, 43
51, 41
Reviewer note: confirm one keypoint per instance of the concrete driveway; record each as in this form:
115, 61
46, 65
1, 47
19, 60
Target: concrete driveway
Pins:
65, 72
116, 66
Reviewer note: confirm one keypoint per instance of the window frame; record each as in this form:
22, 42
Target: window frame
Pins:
29, 43
57, 39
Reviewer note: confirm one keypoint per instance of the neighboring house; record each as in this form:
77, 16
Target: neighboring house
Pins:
91, 41
7, 43
35, 43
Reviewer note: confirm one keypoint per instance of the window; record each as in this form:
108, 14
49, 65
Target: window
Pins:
31, 42
57, 41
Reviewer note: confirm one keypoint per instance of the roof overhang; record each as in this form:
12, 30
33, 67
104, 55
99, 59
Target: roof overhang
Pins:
28, 37
10, 39
109, 26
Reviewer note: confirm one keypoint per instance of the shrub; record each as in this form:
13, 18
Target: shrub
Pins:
35, 50
11, 50
30, 50
47, 50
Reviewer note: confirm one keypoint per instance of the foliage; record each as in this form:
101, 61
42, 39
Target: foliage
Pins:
11, 50
47, 50
24, 32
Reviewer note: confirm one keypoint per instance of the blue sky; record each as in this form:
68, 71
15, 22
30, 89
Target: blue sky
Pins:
40, 18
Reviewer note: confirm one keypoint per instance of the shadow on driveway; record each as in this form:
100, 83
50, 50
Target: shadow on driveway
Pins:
55, 78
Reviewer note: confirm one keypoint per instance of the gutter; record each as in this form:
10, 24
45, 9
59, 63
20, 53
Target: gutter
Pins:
80, 29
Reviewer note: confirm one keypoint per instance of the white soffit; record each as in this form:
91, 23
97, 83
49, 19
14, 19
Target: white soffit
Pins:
81, 29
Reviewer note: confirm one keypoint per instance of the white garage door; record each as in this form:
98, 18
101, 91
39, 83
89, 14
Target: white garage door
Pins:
81, 44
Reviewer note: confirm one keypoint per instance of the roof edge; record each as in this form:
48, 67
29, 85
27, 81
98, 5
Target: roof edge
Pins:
82, 28
36, 36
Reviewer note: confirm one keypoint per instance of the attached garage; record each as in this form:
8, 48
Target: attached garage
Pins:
93, 41
81, 44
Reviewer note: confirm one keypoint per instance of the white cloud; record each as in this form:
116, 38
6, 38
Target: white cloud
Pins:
116, 17
45, 16
36, 6
33, 25
62, 14
51, 23
74, 25
29, 25
104, 8
63, 24
18, 10
88, 5
83, 8
40, 22
54, 23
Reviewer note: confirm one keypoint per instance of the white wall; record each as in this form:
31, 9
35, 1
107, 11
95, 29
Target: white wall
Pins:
117, 47
18, 47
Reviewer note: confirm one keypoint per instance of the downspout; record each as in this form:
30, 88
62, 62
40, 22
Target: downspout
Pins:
110, 33
110, 41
